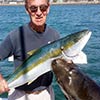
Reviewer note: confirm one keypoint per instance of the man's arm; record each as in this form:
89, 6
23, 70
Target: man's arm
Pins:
3, 85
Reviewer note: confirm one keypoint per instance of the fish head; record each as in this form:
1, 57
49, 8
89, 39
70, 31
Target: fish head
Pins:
75, 42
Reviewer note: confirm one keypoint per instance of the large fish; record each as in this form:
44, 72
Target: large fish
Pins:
40, 60
74, 84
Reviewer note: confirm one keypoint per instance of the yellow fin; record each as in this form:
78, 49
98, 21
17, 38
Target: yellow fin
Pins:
29, 82
32, 52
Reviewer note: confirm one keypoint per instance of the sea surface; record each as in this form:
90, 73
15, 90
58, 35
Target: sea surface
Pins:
66, 19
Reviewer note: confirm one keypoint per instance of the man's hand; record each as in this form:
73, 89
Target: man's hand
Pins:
3, 85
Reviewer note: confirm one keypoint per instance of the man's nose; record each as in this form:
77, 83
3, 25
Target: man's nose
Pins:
39, 12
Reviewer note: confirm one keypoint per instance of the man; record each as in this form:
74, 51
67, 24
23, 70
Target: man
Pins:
21, 41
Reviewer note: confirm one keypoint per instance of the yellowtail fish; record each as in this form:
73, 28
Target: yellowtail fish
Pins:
40, 59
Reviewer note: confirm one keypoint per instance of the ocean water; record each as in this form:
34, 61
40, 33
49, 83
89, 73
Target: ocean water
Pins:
66, 19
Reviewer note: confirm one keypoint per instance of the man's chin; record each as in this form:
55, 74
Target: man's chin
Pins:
40, 24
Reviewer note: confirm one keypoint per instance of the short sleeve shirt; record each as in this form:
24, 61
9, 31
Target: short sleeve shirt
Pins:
21, 41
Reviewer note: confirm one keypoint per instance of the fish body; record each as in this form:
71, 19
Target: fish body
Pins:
74, 83
40, 59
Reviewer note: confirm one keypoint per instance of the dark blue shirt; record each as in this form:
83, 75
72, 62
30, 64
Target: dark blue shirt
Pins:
21, 41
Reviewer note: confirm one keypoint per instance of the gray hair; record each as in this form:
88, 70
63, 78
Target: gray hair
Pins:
47, 1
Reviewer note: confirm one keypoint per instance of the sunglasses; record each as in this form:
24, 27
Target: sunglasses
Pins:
34, 9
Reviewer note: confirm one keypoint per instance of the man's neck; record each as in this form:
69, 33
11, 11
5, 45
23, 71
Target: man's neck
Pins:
39, 29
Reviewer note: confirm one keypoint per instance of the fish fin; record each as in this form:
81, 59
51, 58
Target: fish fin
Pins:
29, 82
32, 52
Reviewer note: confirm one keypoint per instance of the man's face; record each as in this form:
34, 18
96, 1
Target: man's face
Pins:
38, 10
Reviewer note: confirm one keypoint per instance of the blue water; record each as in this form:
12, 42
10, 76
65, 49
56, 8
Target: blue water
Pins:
66, 19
